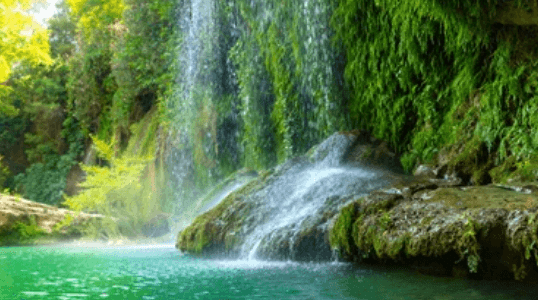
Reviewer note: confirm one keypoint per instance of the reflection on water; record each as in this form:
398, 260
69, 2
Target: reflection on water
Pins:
161, 272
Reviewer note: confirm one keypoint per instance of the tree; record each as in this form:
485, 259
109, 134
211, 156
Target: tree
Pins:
21, 39
62, 28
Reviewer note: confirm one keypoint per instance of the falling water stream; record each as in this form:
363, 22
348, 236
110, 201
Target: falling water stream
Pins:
297, 195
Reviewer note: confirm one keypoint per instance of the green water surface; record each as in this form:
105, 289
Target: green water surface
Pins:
161, 272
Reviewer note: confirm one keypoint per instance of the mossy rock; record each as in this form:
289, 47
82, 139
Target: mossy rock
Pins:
483, 232
468, 160
217, 230
490, 196
514, 170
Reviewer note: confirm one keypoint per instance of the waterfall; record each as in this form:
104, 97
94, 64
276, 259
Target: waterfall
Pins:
304, 191
193, 86
231, 56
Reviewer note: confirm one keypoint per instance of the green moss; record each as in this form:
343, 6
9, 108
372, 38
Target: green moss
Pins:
469, 246
501, 173
340, 236
489, 196
470, 160
370, 234
205, 231
426, 221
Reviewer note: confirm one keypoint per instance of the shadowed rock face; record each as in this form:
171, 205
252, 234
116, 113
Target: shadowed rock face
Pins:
284, 214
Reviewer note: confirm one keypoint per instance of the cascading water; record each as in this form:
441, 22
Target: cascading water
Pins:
195, 58
297, 196
296, 201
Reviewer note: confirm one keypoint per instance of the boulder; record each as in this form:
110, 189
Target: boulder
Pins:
484, 232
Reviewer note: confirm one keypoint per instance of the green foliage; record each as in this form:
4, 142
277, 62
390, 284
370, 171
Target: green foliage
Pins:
22, 233
283, 89
143, 52
421, 73
296, 100
90, 88
66, 222
12, 133
27, 231
340, 236
470, 248
123, 173
119, 190
23, 40
256, 99
4, 172
62, 32
51, 148
45, 181
52, 151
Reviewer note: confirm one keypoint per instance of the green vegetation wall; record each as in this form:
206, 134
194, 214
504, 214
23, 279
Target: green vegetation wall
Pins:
428, 75
436, 79
257, 84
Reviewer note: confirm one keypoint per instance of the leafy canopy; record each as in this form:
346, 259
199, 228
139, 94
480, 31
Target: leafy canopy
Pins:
21, 39
95, 16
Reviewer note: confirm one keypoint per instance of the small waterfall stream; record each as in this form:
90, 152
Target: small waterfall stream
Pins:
304, 192
297, 196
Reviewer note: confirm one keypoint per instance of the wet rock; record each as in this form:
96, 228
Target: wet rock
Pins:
425, 171
467, 161
290, 190
370, 151
332, 151
436, 222
476, 231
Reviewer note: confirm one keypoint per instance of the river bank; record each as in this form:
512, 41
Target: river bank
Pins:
24, 222
436, 221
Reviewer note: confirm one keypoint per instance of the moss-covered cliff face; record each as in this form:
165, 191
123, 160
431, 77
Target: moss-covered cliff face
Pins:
442, 82
433, 75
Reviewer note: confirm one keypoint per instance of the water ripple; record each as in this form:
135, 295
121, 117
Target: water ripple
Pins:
129, 273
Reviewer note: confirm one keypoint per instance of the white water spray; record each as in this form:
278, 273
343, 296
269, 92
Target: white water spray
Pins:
304, 191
